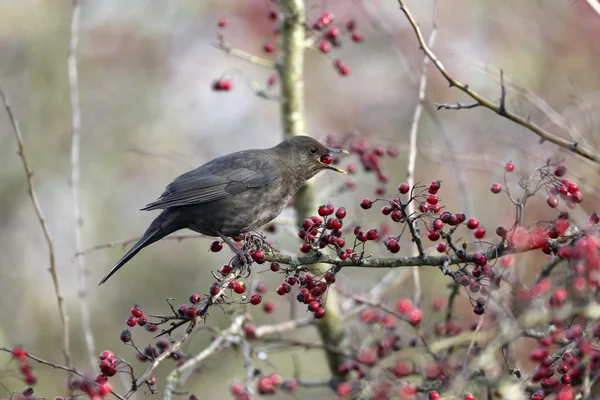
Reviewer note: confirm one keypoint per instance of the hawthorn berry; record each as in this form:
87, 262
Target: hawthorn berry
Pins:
501, 231
365, 204
320, 313
194, 298
392, 245
136, 311
255, 299
552, 201
357, 37
560, 171
239, 287
259, 257
342, 68
403, 188
472, 223
268, 48
479, 232
442, 247
269, 307
509, 167
216, 246
222, 23
372, 234
275, 267
222, 85
469, 396
131, 321
496, 188
415, 316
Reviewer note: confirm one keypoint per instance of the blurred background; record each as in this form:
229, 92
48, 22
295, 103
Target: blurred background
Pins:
149, 114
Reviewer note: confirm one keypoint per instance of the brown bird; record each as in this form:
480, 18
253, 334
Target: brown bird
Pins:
234, 194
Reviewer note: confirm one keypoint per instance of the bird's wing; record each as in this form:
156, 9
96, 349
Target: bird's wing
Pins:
202, 185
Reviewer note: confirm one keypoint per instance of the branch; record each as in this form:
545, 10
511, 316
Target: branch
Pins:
42, 220
160, 358
497, 108
75, 173
179, 375
242, 55
290, 67
399, 262
412, 156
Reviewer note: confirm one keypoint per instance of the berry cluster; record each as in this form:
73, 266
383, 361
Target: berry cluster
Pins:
25, 368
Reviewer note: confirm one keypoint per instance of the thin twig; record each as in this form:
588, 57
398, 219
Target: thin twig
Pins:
242, 55
160, 358
412, 155
75, 173
453, 82
42, 220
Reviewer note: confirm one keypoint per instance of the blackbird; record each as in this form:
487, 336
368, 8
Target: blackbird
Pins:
234, 194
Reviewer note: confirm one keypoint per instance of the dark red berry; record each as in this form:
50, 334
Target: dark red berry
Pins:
216, 246
255, 299
496, 188
472, 223
366, 204
403, 188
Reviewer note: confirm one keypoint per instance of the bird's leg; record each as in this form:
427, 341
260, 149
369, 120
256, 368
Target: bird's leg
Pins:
242, 256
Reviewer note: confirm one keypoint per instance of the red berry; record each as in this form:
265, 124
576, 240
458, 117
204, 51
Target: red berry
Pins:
106, 354
404, 305
239, 287
194, 298
366, 204
216, 246
305, 248
259, 257
214, 289
320, 313
268, 48
415, 316
269, 307
509, 167
222, 23
226, 269
392, 245
255, 299
131, 321
572, 187
341, 67
125, 336
469, 396
433, 395
496, 188
433, 235
501, 231
325, 46
275, 267
472, 223
432, 199
357, 37
372, 234
403, 188
479, 233
560, 170
442, 247
594, 218
552, 201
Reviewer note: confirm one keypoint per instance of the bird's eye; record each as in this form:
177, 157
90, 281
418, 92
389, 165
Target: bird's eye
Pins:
313, 150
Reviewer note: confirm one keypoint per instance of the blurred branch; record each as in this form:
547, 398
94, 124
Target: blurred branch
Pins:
412, 155
595, 4
75, 174
242, 55
179, 375
49, 241
543, 106
125, 242
290, 67
497, 108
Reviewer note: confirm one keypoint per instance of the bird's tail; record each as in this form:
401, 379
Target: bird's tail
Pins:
163, 225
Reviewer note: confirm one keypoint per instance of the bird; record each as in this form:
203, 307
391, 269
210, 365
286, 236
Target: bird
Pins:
235, 193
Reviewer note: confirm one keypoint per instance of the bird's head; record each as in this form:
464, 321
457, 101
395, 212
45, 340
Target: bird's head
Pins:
310, 155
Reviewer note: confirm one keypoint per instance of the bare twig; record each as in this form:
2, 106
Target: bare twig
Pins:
42, 220
242, 55
75, 173
412, 155
453, 82
125, 242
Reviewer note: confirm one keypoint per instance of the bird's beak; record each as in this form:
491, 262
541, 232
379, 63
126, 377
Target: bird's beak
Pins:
331, 167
